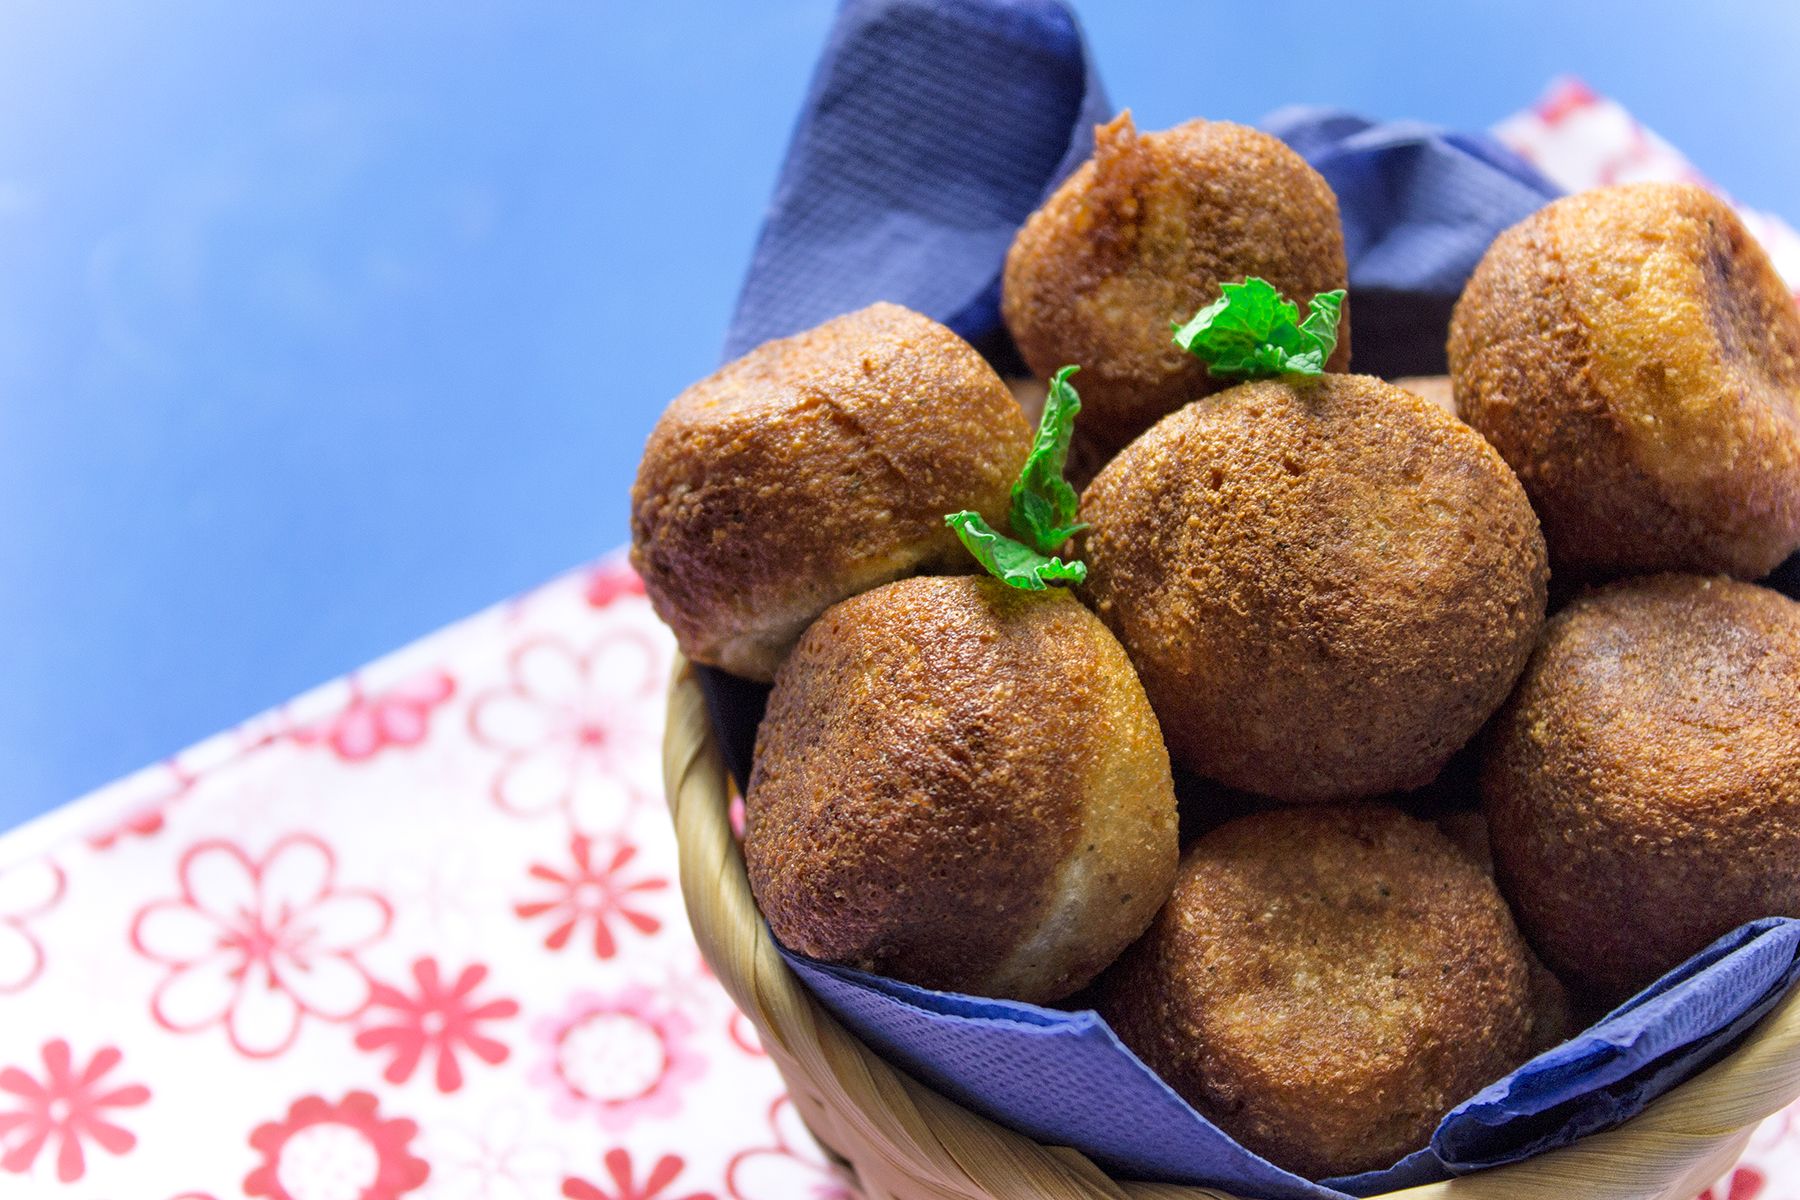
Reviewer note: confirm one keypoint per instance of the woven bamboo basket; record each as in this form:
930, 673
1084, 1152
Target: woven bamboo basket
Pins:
897, 1139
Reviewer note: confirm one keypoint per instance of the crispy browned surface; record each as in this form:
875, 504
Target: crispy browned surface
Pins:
1552, 1011
1643, 785
1633, 355
1143, 235
812, 468
1327, 586
961, 785
1325, 983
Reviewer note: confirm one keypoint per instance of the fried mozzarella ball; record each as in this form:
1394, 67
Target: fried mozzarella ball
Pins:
1642, 787
961, 785
1632, 353
815, 467
1326, 584
1325, 983
1143, 235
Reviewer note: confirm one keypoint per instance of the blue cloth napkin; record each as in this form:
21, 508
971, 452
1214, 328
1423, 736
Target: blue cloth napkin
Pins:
1065, 1078
1419, 206
931, 130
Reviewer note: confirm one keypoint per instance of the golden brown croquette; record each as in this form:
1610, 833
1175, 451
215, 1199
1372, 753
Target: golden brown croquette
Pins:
1642, 786
811, 469
1144, 234
1325, 983
1632, 353
961, 785
1327, 585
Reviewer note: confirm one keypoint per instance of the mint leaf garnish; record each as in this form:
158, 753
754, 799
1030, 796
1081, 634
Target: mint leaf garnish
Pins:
1013, 563
1043, 505
1252, 332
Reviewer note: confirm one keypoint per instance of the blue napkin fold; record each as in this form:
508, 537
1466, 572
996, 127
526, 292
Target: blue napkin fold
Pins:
1419, 205
931, 130
1065, 1078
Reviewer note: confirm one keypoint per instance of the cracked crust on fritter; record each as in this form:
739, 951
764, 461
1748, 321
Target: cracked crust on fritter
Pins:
1642, 787
1143, 234
1325, 983
1327, 585
813, 468
1632, 353
961, 785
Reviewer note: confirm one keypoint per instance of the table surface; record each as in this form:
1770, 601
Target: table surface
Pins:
323, 326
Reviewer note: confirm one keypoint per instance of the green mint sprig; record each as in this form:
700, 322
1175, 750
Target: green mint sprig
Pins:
1043, 505
1252, 332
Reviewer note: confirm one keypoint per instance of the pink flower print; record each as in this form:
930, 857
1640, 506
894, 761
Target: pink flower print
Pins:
624, 1186
68, 1105
442, 1018
743, 1035
27, 891
579, 732
326, 1151
258, 944
598, 888
619, 1059
611, 580
153, 791
1746, 1183
1565, 97
790, 1169
371, 721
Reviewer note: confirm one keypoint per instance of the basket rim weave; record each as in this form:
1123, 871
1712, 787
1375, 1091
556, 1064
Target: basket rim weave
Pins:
899, 1138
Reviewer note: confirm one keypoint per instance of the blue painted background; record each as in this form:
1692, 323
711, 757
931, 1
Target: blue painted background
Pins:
324, 324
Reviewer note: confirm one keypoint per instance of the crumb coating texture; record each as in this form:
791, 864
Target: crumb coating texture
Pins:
1632, 353
813, 468
961, 785
1325, 983
1144, 234
1642, 786
1327, 585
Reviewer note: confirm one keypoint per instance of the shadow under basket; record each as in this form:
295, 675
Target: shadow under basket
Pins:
897, 1138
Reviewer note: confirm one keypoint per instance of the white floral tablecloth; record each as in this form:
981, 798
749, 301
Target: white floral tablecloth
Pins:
417, 933
413, 934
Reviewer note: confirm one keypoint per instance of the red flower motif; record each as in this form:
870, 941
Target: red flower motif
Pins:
154, 789
611, 580
68, 1105
1565, 97
573, 727
618, 1165
603, 894
1746, 1183
344, 1149
398, 716
27, 891
743, 1035
256, 945
440, 1018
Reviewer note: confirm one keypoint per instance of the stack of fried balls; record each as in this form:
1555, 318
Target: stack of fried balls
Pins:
1288, 600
